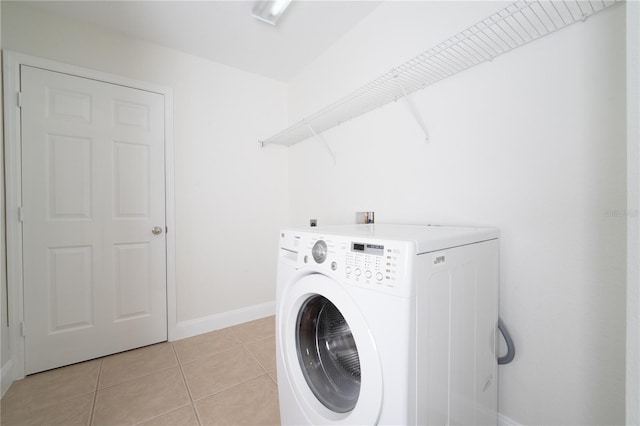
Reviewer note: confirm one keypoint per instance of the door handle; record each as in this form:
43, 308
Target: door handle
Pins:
156, 230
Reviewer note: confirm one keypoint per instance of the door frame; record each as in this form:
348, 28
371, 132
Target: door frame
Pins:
13, 190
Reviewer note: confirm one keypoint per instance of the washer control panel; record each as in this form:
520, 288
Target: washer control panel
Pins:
374, 264
368, 260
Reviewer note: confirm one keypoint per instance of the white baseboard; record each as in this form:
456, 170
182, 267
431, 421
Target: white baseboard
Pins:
197, 326
506, 421
6, 377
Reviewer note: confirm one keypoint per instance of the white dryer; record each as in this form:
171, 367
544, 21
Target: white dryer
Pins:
387, 324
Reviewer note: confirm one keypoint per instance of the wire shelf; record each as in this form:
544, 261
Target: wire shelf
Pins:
516, 25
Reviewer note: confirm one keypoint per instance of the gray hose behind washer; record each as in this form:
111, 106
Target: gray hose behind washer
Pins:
511, 348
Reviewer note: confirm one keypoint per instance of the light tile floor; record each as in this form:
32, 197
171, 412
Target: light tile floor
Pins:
226, 377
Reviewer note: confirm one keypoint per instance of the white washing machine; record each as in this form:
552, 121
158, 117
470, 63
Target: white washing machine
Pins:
387, 324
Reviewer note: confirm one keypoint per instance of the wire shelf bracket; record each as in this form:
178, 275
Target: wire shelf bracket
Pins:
324, 143
413, 109
516, 25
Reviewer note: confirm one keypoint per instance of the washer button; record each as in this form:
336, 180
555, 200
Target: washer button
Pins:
319, 251
334, 266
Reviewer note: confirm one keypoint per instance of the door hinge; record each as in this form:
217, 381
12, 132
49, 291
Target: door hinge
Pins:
21, 214
19, 99
22, 329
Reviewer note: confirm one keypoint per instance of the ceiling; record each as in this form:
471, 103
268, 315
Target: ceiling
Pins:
225, 31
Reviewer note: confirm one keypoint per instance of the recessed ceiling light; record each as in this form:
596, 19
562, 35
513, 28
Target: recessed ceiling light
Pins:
269, 11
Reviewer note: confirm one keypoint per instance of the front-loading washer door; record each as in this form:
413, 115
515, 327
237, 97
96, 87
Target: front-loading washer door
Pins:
328, 354
330, 358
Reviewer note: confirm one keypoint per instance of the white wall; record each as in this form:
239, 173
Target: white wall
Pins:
231, 195
532, 143
633, 209
4, 326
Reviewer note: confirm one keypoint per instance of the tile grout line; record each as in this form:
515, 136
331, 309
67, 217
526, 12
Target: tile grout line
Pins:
230, 387
254, 357
244, 344
177, 364
189, 404
186, 384
131, 379
262, 366
95, 393
162, 414
139, 377
272, 378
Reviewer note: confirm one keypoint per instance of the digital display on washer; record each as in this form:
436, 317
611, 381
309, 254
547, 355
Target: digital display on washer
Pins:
374, 249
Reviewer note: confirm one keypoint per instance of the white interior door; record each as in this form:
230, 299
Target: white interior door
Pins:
93, 190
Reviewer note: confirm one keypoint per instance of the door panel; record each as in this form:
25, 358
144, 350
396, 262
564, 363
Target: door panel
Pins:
69, 272
131, 172
93, 188
132, 280
69, 177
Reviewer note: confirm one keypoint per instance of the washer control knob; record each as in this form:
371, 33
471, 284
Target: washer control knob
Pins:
334, 266
379, 276
358, 272
367, 274
347, 270
319, 251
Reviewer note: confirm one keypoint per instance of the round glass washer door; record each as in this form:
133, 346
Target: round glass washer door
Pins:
315, 390
328, 354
